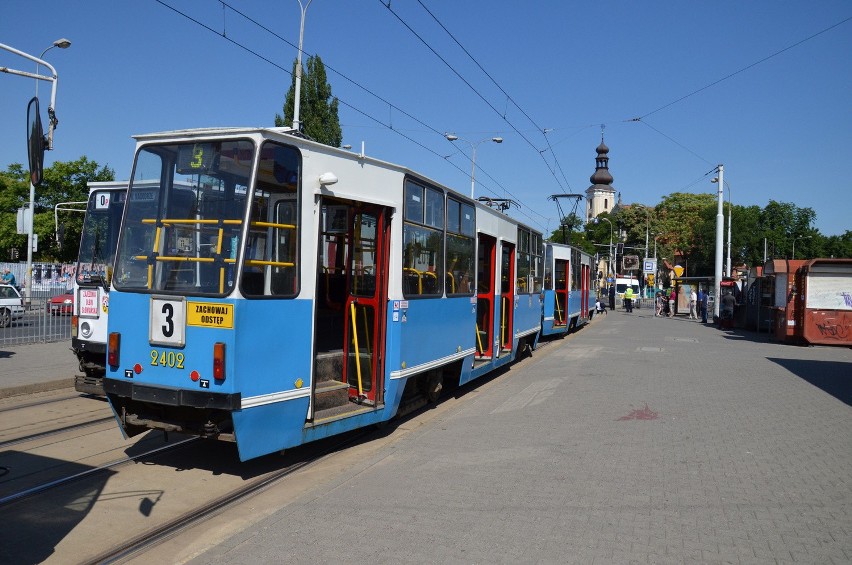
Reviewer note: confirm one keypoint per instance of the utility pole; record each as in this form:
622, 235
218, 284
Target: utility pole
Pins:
720, 224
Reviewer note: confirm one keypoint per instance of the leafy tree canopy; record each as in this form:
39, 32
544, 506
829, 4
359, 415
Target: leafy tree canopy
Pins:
63, 182
318, 109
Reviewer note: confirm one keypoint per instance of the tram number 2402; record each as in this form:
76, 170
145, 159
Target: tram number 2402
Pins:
172, 359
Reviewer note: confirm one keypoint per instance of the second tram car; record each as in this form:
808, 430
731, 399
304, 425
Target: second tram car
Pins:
568, 298
288, 291
91, 282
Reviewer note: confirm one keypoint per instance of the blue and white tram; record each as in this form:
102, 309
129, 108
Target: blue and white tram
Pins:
568, 298
298, 291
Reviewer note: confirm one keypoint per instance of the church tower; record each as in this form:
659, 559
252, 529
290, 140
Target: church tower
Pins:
600, 197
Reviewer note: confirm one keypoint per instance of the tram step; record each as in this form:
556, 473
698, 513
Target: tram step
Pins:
331, 393
329, 366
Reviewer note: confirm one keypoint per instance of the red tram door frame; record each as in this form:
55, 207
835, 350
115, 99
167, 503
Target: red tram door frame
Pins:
584, 294
507, 296
560, 292
366, 302
486, 258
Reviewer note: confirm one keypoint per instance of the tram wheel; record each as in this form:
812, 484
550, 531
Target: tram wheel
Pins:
434, 386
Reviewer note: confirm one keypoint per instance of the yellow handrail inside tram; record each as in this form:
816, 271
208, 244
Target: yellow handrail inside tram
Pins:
503, 322
479, 340
357, 350
217, 222
558, 310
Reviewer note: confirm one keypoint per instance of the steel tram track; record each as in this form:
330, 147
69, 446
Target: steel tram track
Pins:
45, 402
32, 491
57, 431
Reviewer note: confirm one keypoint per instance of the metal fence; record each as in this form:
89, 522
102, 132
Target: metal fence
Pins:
43, 320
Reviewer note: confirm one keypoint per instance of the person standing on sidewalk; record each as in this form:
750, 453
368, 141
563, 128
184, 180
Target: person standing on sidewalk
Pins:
693, 301
672, 297
628, 299
612, 297
9, 277
703, 302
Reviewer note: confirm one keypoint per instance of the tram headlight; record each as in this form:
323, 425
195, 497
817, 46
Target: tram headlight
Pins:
86, 330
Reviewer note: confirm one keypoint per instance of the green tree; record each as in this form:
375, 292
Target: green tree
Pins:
318, 109
63, 182
839, 246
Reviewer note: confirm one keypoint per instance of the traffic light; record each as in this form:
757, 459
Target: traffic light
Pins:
619, 249
650, 280
14, 253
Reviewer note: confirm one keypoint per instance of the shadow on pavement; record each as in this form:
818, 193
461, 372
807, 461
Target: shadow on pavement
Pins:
830, 376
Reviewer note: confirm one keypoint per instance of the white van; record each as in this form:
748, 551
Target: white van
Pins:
621, 285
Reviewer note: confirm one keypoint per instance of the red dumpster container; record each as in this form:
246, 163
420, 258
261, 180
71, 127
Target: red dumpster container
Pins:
823, 302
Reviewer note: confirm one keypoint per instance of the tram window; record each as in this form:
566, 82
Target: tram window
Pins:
523, 261
529, 261
548, 269
536, 262
423, 241
270, 256
460, 248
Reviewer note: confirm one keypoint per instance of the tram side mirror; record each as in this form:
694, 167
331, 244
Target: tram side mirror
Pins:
35, 142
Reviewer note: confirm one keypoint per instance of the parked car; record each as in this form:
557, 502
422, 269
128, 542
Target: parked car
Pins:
11, 305
62, 304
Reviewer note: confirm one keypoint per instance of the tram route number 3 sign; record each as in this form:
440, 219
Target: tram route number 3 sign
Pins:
168, 322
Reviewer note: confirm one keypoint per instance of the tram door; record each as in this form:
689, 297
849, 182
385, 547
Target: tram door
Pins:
485, 296
560, 292
584, 294
364, 309
507, 295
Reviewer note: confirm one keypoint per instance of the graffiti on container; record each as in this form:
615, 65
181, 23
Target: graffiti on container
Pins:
832, 330
847, 298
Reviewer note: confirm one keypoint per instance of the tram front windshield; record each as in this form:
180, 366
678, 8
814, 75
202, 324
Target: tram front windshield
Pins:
183, 234
100, 234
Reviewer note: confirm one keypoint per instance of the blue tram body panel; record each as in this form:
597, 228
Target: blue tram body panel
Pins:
527, 317
430, 332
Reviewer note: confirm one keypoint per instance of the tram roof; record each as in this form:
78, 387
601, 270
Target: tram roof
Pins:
288, 132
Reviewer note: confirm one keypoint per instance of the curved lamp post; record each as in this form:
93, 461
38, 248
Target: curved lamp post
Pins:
453, 137
62, 44
794, 242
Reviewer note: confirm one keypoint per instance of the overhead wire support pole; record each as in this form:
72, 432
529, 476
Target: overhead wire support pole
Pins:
562, 216
720, 221
298, 90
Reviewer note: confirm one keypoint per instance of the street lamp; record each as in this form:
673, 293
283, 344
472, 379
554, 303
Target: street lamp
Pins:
794, 242
730, 208
453, 137
298, 89
62, 44
597, 220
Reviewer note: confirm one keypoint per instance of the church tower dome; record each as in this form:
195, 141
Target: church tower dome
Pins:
600, 196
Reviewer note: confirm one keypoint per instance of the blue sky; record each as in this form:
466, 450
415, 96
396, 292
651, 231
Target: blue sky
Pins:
714, 82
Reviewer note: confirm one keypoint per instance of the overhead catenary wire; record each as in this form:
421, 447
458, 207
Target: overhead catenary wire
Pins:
469, 85
378, 121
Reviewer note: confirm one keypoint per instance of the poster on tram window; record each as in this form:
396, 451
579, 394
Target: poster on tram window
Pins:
828, 291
